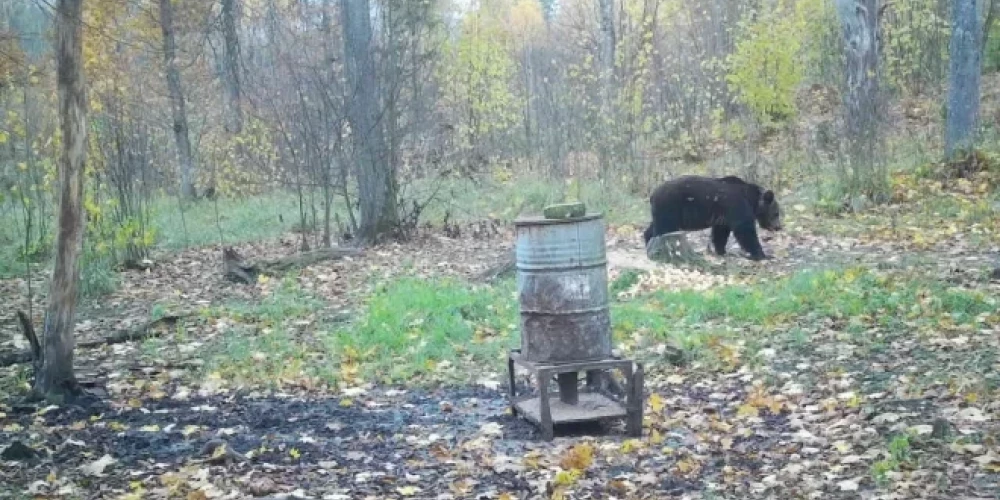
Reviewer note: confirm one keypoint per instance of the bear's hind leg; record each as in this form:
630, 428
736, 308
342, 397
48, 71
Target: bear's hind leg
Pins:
720, 236
746, 236
664, 221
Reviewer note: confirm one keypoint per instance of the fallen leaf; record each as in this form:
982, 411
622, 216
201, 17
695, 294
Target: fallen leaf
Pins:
578, 457
655, 403
849, 485
96, 468
408, 491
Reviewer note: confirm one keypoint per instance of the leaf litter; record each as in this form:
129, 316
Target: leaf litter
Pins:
846, 415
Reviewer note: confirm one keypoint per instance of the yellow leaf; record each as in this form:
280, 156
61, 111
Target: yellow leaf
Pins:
854, 402
747, 410
631, 445
578, 457
294, 453
220, 451
656, 403
346, 403
531, 459
408, 491
687, 465
566, 477
655, 437
3, 137
150, 428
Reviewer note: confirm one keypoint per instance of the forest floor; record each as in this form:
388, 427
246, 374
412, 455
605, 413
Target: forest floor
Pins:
860, 362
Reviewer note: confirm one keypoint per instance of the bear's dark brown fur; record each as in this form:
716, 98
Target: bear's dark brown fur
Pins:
725, 204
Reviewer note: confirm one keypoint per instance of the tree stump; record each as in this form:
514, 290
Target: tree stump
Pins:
672, 248
236, 269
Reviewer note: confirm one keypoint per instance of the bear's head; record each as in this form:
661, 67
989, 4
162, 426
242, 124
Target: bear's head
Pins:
768, 212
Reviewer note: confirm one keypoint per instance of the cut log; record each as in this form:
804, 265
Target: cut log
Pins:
240, 271
672, 248
144, 331
306, 259
237, 270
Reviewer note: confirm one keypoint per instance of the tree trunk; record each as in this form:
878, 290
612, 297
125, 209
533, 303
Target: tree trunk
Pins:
375, 174
964, 76
606, 59
56, 380
231, 67
989, 16
176, 90
859, 20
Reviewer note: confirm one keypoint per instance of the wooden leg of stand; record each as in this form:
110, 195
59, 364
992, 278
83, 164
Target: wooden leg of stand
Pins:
543, 405
511, 390
634, 403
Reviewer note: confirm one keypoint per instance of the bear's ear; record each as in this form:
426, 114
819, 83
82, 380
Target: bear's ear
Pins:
768, 197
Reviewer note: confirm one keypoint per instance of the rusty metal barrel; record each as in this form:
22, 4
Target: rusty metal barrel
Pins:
562, 283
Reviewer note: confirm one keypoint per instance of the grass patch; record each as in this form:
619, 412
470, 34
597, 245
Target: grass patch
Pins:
263, 347
417, 331
427, 328
272, 358
853, 298
241, 219
410, 330
286, 301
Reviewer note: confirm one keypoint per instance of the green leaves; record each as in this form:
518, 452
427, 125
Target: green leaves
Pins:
766, 67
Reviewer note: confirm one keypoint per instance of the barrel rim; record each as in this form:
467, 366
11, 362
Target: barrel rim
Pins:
540, 220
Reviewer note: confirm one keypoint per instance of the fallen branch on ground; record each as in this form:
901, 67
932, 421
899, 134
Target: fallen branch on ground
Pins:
504, 268
236, 269
142, 332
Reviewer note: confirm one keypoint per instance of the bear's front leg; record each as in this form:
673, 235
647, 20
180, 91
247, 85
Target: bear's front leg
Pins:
746, 236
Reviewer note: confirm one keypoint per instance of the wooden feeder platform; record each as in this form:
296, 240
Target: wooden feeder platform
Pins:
548, 409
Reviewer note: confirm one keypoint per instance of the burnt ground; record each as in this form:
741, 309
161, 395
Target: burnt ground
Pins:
461, 441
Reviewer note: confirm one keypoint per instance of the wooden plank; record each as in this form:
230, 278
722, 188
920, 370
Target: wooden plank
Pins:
592, 406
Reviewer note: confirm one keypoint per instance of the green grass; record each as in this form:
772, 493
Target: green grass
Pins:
262, 347
412, 330
899, 454
241, 219
856, 297
412, 326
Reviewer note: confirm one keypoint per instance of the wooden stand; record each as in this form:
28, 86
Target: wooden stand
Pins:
572, 405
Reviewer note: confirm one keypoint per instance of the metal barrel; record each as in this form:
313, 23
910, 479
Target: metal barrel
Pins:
562, 284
